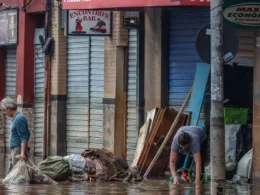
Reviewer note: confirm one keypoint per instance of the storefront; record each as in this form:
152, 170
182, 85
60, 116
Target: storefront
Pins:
8, 39
185, 22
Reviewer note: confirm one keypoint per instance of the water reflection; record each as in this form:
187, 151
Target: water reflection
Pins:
157, 187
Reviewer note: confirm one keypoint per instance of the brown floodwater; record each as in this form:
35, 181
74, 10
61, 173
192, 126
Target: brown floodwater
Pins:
146, 187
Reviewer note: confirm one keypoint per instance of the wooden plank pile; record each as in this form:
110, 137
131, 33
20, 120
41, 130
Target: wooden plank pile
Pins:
160, 127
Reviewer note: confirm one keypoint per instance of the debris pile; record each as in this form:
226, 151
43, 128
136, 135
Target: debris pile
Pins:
152, 135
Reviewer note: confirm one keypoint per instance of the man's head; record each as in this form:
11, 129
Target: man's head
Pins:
98, 19
9, 106
184, 140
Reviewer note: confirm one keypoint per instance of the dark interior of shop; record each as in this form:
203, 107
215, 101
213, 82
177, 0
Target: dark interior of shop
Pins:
238, 93
238, 87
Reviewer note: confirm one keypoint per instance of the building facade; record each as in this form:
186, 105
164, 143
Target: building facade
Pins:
17, 64
102, 86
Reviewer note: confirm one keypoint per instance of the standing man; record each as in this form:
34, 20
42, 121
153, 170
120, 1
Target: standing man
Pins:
19, 131
189, 140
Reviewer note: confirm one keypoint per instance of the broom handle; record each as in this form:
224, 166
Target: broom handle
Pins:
168, 135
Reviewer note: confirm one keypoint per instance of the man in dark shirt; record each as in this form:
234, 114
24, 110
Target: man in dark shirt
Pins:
19, 131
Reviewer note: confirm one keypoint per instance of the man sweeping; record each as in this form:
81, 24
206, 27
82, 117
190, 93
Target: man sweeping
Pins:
19, 131
189, 140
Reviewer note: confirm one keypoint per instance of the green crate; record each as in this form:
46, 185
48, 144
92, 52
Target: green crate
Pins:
235, 116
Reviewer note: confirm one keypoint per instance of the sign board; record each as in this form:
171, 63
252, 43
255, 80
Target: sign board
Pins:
195, 2
8, 27
89, 22
104, 4
242, 14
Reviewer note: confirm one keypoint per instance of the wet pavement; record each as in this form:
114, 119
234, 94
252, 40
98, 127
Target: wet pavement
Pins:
147, 187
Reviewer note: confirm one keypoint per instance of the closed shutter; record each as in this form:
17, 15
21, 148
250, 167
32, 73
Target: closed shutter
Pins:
77, 94
96, 91
246, 51
184, 25
39, 103
132, 130
85, 59
10, 91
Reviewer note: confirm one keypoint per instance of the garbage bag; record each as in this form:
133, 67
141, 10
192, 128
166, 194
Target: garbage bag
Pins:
77, 163
55, 167
38, 177
231, 132
18, 175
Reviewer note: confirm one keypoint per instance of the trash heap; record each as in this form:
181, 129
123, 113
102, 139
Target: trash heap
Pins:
91, 165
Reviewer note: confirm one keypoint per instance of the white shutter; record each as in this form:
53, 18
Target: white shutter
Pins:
132, 130
96, 91
39, 103
77, 94
10, 91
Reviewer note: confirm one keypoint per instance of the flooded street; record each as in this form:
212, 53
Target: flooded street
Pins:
147, 187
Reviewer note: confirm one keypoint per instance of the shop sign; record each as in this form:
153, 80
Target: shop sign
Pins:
101, 4
243, 14
195, 2
112, 4
8, 27
89, 22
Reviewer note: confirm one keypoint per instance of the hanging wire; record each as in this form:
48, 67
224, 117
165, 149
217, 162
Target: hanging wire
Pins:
38, 52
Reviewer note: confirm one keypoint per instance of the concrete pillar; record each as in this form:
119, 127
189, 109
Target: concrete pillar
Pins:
113, 83
25, 59
256, 118
25, 70
154, 84
58, 86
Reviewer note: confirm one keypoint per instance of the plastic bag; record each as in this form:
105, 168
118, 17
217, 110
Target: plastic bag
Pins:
231, 132
55, 167
26, 173
77, 163
37, 177
18, 175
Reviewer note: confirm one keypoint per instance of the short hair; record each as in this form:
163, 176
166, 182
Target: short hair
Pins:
8, 103
184, 138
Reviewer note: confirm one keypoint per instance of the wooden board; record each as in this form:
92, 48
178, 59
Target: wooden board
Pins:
198, 91
150, 137
154, 143
141, 141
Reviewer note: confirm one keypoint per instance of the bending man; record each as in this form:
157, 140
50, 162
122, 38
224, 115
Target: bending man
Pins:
189, 140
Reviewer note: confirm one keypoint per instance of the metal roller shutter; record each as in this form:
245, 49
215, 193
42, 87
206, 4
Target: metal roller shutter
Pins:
246, 52
185, 22
77, 94
132, 131
10, 91
85, 93
96, 91
39, 103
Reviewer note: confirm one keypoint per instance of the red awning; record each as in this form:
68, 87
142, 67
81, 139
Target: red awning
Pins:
109, 4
